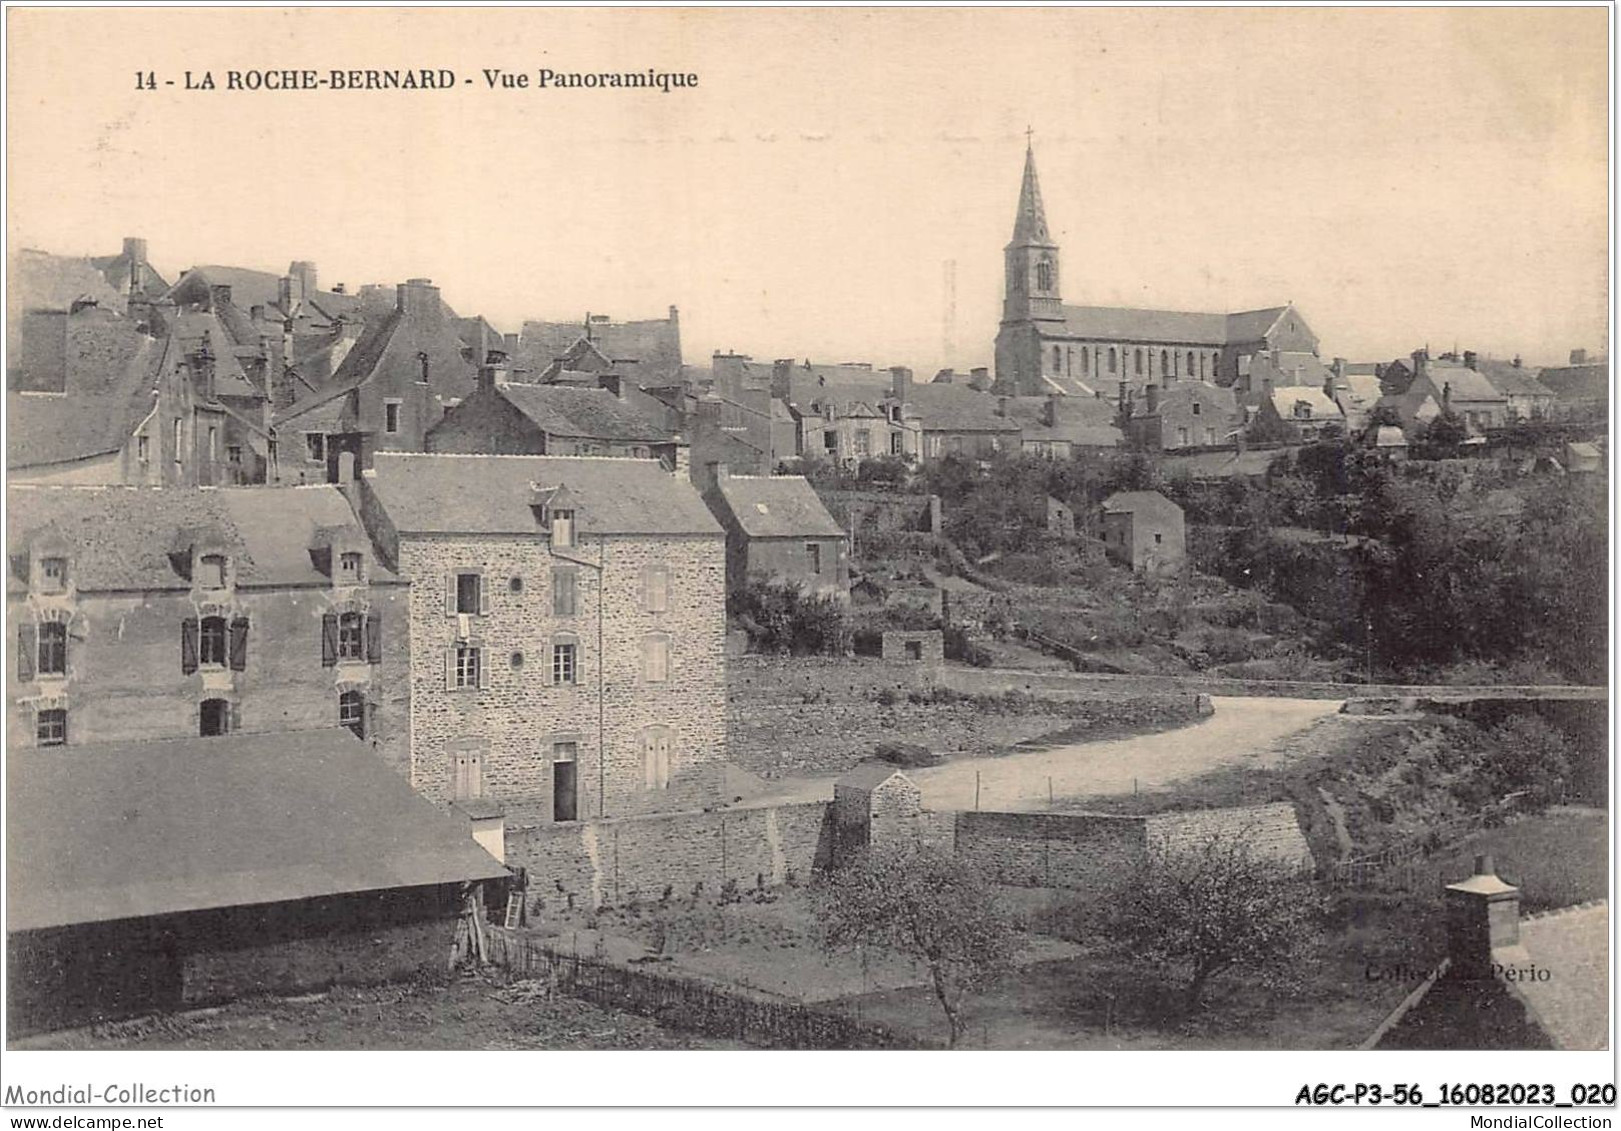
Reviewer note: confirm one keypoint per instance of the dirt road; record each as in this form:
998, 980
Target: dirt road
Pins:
1243, 731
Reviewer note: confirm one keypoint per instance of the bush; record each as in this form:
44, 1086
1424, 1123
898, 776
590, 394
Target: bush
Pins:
782, 618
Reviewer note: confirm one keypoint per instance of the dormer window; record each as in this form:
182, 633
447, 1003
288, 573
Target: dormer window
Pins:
349, 567
53, 575
562, 528
211, 571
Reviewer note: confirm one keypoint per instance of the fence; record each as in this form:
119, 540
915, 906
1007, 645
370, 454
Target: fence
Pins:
684, 1003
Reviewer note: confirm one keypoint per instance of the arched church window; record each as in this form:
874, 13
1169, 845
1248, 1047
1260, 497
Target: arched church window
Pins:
1164, 363
1190, 363
1058, 359
1139, 361
1113, 366
1044, 276
1085, 362
1015, 279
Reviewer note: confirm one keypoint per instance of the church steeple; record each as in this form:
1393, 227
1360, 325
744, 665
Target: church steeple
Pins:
1031, 256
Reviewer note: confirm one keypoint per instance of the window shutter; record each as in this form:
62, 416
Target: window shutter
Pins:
239, 644
450, 594
483, 597
647, 588
374, 638
27, 646
235, 717
329, 639
368, 717
188, 645
483, 667
450, 669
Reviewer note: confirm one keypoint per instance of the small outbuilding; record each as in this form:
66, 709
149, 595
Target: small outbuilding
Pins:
874, 803
927, 647
144, 876
1144, 530
777, 527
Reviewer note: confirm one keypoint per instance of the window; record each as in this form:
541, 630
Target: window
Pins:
1158, 538
1113, 364
1181, 437
349, 566
1209, 435
391, 416
179, 440
564, 592
565, 667
51, 727
351, 637
1190, 363
516, 585
1164, 362
53, 648
352, 712
863, 442
467, 666
895, 441
1195, 408
467, 592
1044, 276
315, 443
211, 571
657, 586
830, 440
233, 453
53, 574
212, 650
1086, 363
143, 451
656, 659
565, 761
1058, 359
1139, 356
656, 757
562, 528
213, 443
814, 550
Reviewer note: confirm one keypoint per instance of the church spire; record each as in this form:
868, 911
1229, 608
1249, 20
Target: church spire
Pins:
1030, 226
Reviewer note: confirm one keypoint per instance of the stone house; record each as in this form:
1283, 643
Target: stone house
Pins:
1144, 530
875, 804
1303, 413
567, 632
1441, 387
140, 614
1046, 346
648, 351
778, 528
939, 419
1184, 414
396, 382
174, 874
559, 420
1060, 427
1527, 397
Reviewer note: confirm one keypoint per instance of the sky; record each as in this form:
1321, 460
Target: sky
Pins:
840, 183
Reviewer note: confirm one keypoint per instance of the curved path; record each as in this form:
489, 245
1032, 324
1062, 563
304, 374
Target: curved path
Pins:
1243, 731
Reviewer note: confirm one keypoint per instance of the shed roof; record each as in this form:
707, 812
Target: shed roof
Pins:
125, 830
484, 494
1130, 502
869, 775
777, 506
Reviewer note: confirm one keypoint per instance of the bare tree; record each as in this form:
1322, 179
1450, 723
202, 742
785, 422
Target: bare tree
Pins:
1203, 907
927, 904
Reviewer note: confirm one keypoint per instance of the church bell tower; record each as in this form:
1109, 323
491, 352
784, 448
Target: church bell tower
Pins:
1031, 258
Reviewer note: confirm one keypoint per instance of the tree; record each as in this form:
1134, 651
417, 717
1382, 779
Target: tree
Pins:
1198, 909
927, 904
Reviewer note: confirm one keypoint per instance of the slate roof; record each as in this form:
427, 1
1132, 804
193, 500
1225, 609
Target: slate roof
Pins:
1171, 327
1289, 369
1130, 502
595, 414
126, 830
1322, 406
957, 408
1467, 384
39, 280
87, 352
479, 494
1513, 380
1577, 382
654, 344
777, 506
191, 328
868, 775
44, 429
121, 537
250, 288
1087, 421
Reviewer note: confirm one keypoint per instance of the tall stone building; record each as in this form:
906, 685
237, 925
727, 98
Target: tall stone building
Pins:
1044, 346
567, 632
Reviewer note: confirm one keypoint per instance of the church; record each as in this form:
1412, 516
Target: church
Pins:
1045, 347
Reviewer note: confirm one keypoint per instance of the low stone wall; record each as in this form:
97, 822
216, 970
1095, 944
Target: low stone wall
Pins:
882, 511
617, 860
1088, 850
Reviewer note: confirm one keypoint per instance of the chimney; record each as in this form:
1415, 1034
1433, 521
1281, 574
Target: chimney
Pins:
304, 271
1421, 363
1152, 393
901, 382
1049, 411
135, 252
202, 365
782, 378
219, 296
487, 372
1517, 361
1446, 397
1483, 915
340, 289
675, 315
1469, 359
1001, 406
417, 298
979, 378
1338, 368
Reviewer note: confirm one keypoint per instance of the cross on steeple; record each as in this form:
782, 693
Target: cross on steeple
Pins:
1029, 135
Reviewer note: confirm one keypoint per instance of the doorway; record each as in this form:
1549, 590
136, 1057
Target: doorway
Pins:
214, 718
564, 791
